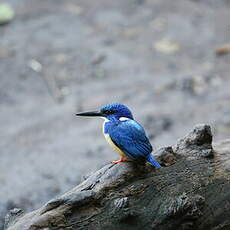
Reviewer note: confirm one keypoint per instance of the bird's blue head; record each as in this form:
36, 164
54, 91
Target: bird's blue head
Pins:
116, 110
112, 111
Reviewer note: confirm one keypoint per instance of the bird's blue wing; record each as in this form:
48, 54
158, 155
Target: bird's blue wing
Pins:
130, 137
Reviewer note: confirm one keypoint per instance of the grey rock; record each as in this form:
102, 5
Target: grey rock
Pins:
120, 203
12, 216
165, 156
198, 143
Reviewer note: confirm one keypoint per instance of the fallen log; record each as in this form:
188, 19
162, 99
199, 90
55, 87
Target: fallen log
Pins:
191, 191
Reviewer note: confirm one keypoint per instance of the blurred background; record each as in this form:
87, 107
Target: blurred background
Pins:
167, 60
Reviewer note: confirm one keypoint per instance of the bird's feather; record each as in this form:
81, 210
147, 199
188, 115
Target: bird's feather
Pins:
130, 137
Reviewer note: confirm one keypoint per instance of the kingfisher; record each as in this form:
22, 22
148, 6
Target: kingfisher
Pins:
124, 134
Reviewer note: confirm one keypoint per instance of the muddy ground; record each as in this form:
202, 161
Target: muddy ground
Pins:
59, 57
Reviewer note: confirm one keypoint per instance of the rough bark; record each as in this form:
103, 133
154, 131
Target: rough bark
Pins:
191, 191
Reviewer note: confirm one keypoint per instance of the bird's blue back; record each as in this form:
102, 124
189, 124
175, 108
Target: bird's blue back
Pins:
130, 137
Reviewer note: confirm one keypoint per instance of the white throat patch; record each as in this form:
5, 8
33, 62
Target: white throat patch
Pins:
105, 120
124, 119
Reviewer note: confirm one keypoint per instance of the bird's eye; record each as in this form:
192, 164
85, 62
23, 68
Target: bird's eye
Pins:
107, 112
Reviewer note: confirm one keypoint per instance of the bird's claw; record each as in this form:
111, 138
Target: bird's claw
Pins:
119, 161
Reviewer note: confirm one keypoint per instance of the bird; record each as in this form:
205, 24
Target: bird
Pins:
125, 135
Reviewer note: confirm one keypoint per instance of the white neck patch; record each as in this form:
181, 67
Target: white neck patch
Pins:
124, 119
105, 119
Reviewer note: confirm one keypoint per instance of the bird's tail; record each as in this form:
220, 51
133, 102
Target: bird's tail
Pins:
150, 158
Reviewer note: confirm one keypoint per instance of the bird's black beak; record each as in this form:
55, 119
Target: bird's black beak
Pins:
90, 114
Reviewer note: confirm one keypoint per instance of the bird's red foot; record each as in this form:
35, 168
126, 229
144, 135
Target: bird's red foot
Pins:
119, 161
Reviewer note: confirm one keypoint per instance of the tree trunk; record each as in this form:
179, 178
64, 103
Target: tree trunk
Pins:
191, 191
